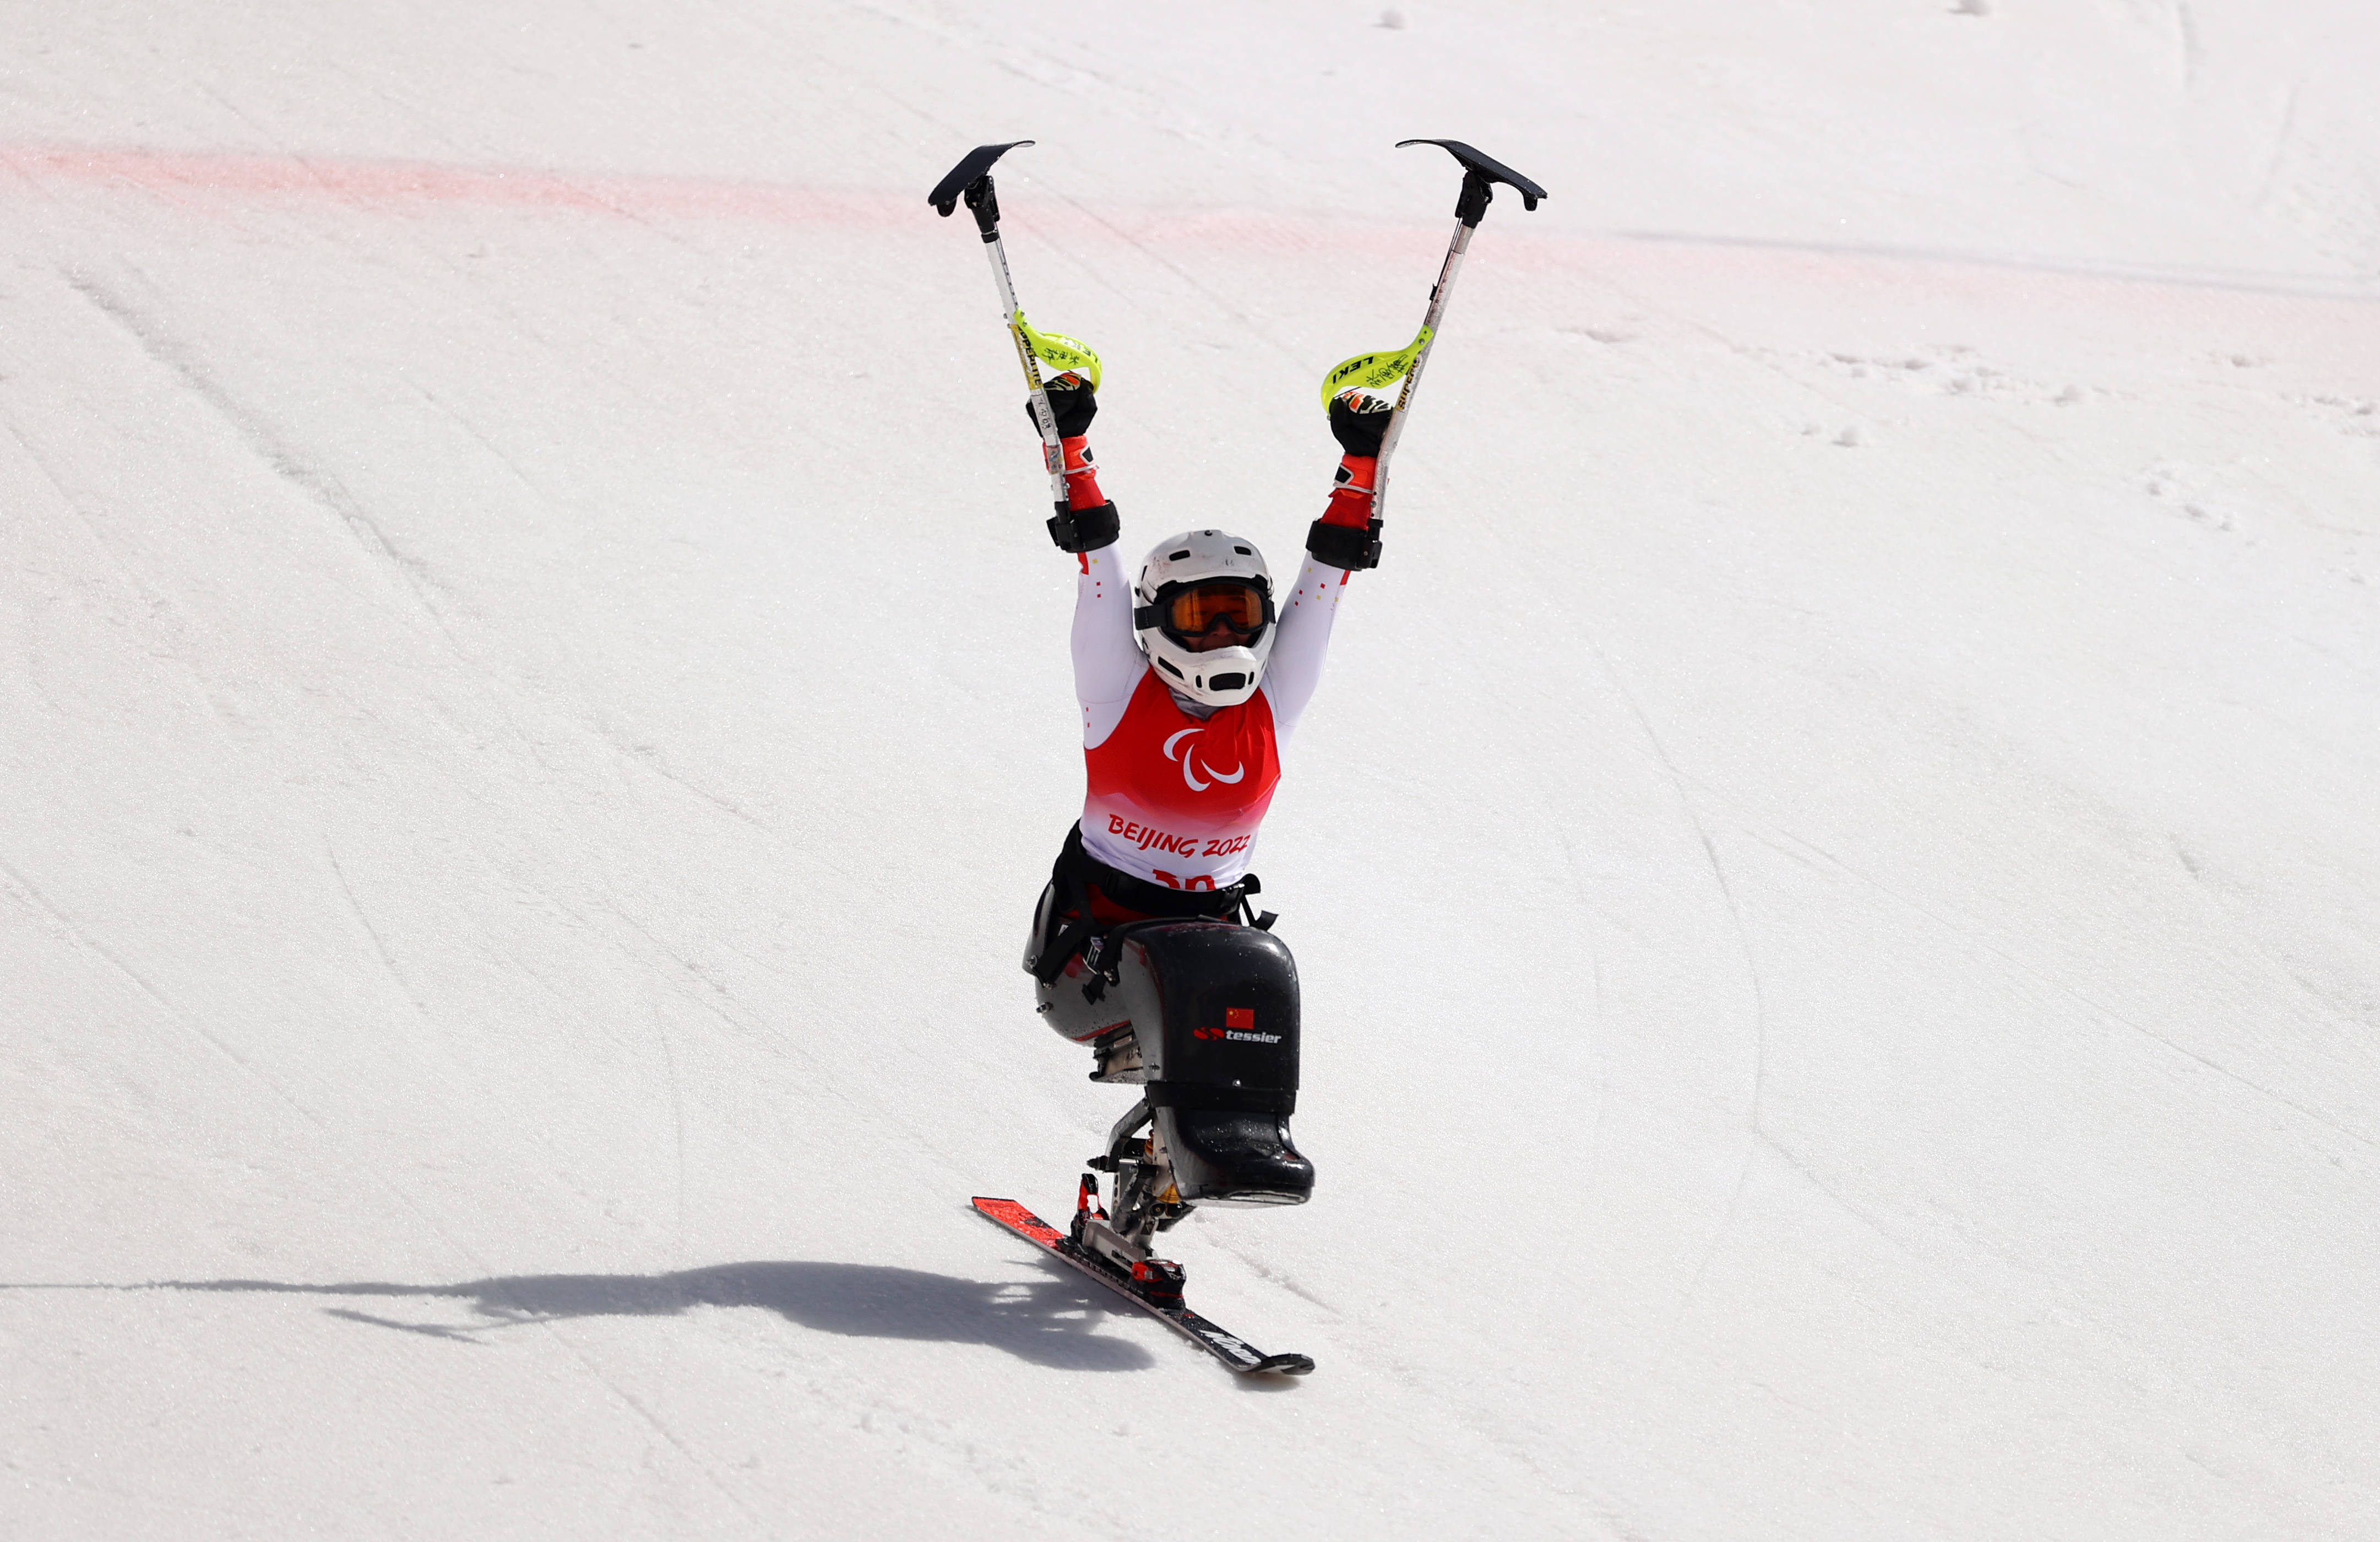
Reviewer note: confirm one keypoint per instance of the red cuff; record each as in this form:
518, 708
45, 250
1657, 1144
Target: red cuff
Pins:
1351, 503
1082, 478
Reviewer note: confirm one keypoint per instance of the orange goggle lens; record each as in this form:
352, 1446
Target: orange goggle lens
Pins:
1194, 611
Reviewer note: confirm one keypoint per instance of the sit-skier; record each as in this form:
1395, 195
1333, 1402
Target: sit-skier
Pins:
1192, 676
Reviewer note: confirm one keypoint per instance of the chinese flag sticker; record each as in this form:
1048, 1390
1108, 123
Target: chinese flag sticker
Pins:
1239, 1017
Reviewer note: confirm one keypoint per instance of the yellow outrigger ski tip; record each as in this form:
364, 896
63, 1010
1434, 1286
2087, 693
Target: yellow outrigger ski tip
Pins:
1058, 350
1372, 372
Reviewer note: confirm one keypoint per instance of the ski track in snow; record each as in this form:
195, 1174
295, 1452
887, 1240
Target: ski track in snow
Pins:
322, 486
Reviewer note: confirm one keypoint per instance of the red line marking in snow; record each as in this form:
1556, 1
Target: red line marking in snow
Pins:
395, 183
197, 178
1669, 261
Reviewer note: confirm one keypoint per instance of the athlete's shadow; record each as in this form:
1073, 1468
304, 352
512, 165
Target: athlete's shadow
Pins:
1050, 1321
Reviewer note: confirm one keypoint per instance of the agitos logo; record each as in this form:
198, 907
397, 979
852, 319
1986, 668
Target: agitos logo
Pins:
1239, 1024
1190, 767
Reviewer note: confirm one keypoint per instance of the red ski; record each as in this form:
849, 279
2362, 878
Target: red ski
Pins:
1233, 1352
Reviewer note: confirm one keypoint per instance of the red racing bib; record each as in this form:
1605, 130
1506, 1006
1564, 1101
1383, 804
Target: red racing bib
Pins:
1175, 800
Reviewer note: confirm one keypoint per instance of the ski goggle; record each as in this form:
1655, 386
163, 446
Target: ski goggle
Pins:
1192, 610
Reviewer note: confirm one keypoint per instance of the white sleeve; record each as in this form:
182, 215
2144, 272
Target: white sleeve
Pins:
1108, 662
1305, 619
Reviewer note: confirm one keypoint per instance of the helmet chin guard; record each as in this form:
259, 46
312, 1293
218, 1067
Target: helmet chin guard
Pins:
1220, 676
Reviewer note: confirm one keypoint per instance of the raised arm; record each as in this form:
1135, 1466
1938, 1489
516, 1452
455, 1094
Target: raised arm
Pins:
1345, 538
1108, 663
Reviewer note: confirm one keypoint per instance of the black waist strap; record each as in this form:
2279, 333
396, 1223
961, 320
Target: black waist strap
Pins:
1138, 894
1078, 873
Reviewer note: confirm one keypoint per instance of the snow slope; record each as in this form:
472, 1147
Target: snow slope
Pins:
1837, 869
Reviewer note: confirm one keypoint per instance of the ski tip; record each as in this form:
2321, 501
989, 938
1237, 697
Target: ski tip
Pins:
1282, 1364
1017, 1219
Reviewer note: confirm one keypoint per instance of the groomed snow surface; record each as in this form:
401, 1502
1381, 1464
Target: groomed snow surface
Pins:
1835, 867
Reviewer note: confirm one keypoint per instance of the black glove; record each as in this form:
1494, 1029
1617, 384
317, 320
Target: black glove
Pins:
1357, 421
1071, 402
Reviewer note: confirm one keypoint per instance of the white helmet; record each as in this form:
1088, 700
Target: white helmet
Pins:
1206, 587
